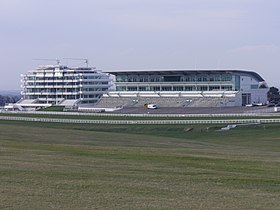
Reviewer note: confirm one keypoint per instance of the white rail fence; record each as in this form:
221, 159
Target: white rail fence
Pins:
127, 122
137, 115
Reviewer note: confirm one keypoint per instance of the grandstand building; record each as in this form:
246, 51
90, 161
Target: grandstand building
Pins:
63, 86
185, 88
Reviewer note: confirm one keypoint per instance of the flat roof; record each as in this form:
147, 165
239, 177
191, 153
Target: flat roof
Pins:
185, 71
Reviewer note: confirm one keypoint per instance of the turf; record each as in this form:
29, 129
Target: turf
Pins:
53, 109
67, 166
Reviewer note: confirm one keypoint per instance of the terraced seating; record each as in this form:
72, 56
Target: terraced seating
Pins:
69, 102
186, 99
110, 102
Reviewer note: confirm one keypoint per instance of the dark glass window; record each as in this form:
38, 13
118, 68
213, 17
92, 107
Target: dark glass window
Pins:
178, 88
155, 88
166, 88
172, 78
132, 88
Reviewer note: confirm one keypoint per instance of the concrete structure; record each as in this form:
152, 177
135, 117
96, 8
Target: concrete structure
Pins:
180, 87
63, 86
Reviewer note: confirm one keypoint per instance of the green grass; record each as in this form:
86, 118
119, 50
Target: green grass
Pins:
68, 166
53, 109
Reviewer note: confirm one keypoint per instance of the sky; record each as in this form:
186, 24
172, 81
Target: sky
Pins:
140, 34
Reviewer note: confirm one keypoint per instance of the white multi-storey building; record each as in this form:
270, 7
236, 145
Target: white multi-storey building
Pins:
61, 85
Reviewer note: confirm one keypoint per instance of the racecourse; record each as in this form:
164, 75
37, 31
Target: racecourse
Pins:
46, 165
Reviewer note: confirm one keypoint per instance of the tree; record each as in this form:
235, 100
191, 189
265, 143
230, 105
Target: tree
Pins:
273, 94
8, 99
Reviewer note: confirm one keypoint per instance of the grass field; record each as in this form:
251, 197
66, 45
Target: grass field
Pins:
67, 166
53, 109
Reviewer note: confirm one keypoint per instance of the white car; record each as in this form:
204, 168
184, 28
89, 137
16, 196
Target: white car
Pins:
151, 106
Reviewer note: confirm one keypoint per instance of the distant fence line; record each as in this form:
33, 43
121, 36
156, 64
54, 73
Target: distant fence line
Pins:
128, 122
136, 115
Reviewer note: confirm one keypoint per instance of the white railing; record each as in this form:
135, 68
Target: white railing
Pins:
127, 122
138, 115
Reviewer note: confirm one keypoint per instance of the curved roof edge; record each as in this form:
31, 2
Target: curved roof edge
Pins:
173, 71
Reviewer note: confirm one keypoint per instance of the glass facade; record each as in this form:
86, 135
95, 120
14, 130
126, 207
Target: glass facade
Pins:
176, 78
179, 81
186, 80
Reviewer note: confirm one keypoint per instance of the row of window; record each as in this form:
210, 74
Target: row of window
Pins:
95, 89
94, 83
64, 83
66, 97
52, 90
68, 90
63, 78
53, 78
182, 78
51, 83
173, 88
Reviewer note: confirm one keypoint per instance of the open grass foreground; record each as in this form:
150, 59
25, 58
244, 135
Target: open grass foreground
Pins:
64, 166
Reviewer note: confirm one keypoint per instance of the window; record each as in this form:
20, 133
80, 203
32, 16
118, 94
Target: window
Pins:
202, 88
190, 78
132, 78
154, 79
211, 78
155, 88
132, 88
166, 88
204, 78
141, 78
217, 78
189, 88
199, 78
172, 78
226, 77
143, 88
121, 78
214, 87
178, 88
226, 87
121, 88
254, 86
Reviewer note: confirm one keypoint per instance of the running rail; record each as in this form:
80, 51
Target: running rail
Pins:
128, 122
138, 115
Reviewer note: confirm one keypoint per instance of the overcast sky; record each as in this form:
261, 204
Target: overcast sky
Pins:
140, 34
